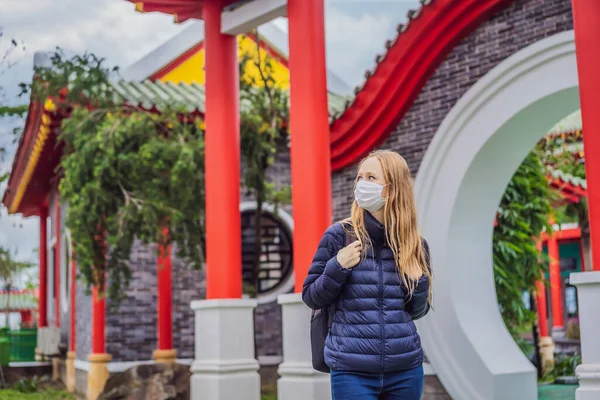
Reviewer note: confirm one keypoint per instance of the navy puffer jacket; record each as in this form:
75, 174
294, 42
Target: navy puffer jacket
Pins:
373, 329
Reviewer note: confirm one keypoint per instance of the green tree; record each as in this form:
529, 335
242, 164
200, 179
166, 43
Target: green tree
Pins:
125, 173
10, 270
522, 215
264, 114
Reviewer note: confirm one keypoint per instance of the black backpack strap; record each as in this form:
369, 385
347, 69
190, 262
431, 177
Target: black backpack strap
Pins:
349, 238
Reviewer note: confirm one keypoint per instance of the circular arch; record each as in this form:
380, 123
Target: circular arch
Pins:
287, 283
474, 153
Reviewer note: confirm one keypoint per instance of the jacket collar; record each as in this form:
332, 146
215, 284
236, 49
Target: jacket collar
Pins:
375, 229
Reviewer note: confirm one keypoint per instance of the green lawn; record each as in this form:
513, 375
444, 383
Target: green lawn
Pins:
554, 392
9, 394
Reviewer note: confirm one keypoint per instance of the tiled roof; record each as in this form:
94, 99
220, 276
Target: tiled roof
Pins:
567, 178
570, 123
156, 96
18, 301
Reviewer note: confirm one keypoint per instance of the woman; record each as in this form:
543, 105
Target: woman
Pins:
380, 284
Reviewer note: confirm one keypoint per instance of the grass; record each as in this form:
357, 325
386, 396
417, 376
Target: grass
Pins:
51, 394
269, 392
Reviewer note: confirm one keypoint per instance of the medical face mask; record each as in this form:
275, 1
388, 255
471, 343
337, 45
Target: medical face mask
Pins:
368, 196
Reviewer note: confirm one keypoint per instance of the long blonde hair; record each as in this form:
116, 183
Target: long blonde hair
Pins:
400, 220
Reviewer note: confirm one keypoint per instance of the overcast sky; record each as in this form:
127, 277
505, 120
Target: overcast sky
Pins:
356, 32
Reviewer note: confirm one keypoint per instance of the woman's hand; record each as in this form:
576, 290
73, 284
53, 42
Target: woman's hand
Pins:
349, 256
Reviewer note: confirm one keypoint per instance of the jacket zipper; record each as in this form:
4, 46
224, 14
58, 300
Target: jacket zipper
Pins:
380, 266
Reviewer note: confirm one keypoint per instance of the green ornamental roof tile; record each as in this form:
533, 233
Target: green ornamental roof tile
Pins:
157, 95
568, 178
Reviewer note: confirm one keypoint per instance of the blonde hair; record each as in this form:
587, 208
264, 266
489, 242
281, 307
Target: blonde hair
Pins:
400, 220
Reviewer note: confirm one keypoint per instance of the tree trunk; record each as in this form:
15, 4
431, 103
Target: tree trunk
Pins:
257, 245
586, 244
536, 336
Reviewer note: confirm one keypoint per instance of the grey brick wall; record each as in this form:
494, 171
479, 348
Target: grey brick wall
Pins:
519, 25
83, 322
131, 330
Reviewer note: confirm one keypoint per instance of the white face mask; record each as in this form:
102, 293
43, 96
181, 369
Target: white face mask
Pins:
368, 196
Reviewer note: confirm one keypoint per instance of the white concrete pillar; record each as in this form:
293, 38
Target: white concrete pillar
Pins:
224, 366
298, 379
588, 295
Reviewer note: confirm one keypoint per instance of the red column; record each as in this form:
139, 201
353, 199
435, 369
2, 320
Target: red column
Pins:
57, 262
586, 17
98, 322
43, 297
542, 309
309, 125
165, 334
26, 318
555, 283
73, 301
223, 221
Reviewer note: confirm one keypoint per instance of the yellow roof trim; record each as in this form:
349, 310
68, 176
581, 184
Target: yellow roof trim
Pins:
38, 146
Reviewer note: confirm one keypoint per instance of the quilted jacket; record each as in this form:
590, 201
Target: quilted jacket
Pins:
373, 329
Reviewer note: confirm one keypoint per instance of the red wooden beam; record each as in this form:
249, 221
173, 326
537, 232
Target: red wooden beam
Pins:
222, 138
586, 17
309, 129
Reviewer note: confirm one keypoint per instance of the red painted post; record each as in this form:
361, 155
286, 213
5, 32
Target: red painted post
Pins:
586, 18
223, 221
555, 283
165, 333
98, 322
57, 262
309, 125
43, 297
542, 309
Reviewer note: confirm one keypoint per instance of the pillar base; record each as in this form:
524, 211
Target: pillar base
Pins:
55, 368
298, 379
71, 371
224, 366
38, 356
547, 353
165, 356
97, 374
589, 382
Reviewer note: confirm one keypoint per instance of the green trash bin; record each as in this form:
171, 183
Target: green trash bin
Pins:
4, 350
22, 345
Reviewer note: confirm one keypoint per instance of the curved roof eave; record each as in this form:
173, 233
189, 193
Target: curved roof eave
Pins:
412, 56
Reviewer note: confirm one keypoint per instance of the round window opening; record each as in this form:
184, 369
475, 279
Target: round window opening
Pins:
276, 255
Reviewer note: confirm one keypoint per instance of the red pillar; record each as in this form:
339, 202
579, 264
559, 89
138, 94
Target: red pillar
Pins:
57, 263
555, 283
309, 125
43, 297
73, 301
223, 221
542, 309
165, 334
98, 322
586, 17
26, 318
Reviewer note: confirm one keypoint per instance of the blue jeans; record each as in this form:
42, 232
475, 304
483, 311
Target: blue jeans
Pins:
403, 385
